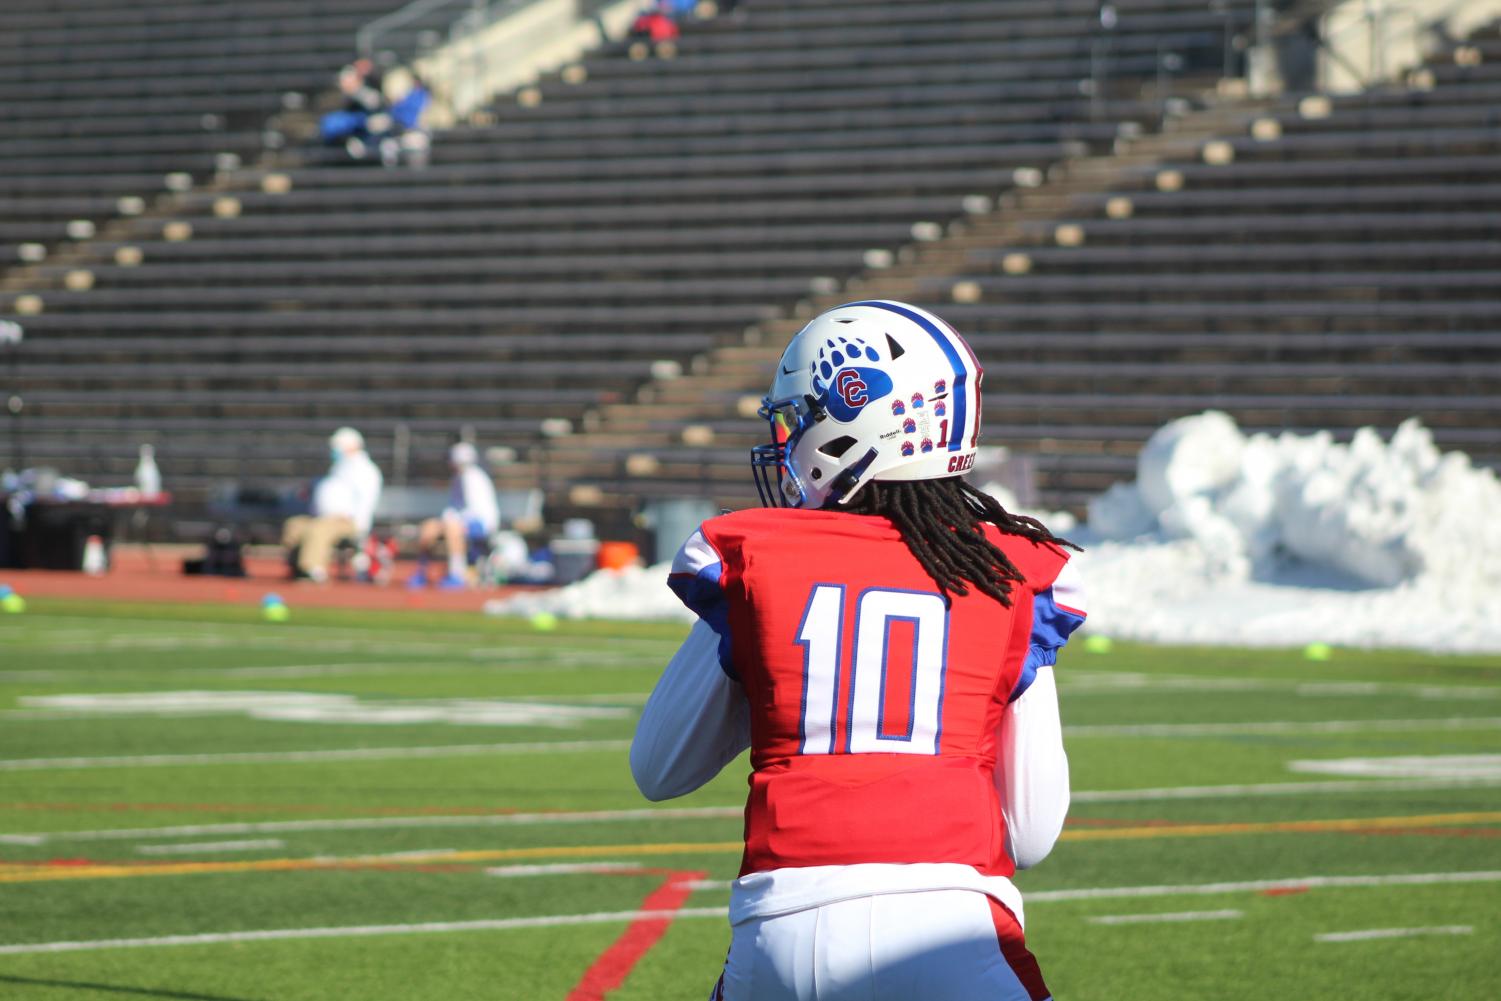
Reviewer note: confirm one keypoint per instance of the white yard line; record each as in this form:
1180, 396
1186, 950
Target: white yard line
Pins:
192, 848
123, 633
49, 715
417, 853
1406, 766
1273, 727
298, 757
717, 812
1082, 683
462, 660
1257, 789
1260, 885
391, 823
457, 750
504, 924
709, 884
1377, 933
1136, 919
350, 931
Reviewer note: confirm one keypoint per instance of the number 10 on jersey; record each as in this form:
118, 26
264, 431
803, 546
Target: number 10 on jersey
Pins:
862, 728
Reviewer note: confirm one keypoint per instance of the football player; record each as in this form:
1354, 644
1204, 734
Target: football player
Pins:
882, 638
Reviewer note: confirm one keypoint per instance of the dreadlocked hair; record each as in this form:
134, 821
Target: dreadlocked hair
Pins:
942, 523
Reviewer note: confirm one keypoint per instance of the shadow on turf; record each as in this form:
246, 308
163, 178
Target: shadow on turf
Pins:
145, 992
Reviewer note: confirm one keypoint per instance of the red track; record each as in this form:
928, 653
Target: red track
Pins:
154, 574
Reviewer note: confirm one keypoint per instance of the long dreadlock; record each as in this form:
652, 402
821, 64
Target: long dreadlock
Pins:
942, 523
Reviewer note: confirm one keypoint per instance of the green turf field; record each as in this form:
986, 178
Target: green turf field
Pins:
196, 804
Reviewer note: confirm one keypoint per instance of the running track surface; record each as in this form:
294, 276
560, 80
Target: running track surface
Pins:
154, 574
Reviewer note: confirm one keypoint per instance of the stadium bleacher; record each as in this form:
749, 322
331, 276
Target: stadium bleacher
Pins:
1302, 265
622, 246
555, 253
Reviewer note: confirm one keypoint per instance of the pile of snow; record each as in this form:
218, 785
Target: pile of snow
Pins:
1254, 540
1383, 513
1297, 539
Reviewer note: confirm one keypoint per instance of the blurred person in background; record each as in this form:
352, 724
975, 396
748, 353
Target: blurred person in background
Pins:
472, 515
656, 26
343, 507
361, 84
381, 118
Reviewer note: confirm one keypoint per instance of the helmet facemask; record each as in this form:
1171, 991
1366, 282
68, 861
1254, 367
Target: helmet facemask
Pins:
827, 479
769, 461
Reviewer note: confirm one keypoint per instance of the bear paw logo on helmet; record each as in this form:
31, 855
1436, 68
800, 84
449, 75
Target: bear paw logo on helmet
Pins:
844, 388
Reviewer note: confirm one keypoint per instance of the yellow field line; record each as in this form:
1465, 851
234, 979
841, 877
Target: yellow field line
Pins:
33, 873
42, 873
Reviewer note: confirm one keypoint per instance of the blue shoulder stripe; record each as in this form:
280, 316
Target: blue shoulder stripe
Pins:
1051, 627
702, 593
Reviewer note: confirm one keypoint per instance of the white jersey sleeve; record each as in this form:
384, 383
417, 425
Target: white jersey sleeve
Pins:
1031, 774
696, 721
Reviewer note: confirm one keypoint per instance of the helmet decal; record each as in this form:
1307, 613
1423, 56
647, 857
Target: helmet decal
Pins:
837, 352
898, 408
851, 389
961, 360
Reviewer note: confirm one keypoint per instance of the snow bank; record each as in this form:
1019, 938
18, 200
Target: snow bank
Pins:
1261, 541
1292, 539
1383, 513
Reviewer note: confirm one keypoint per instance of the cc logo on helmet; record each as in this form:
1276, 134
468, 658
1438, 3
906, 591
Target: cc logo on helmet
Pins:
852, 388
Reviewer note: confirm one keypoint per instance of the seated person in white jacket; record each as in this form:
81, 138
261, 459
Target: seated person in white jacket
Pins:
343, 507
472, 514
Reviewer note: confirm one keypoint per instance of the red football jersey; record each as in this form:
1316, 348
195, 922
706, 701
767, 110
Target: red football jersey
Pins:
874, 707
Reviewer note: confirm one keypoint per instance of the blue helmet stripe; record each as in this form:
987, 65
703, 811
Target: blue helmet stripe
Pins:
961, 374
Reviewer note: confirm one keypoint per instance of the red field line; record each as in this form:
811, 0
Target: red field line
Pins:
616, 962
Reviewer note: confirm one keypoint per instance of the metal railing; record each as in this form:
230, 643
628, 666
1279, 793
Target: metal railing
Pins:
1298, 44
425, 25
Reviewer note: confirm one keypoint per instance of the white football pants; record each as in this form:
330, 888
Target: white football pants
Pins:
933, 945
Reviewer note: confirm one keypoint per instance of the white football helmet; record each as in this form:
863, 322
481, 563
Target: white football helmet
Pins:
873, 390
